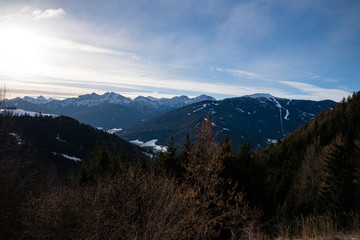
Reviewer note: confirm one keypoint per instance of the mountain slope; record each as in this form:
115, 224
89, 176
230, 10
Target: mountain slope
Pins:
57, 139
41, 155
109, 110
315, 169
261, 117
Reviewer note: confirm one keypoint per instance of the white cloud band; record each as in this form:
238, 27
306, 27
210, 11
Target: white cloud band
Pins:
49, 13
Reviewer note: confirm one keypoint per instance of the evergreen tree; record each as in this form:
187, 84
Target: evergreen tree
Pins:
170, 159
337, 194
82, 177
140, 161
186, 149
103, 161
100, 162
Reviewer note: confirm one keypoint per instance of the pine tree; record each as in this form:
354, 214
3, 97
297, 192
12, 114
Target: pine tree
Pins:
170, 159
100, 162
186, 149
103, 161
337, 192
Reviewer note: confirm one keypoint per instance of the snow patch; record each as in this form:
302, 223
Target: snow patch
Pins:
59, 139
201, 108
276, 102
151, 143
137, 142
20, 112
305, 114
260, 95
287, 114
68, 157
239, 110
17, 137
114, 130
272, 141
149, 155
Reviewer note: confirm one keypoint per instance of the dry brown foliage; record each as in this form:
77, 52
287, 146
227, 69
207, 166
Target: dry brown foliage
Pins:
219, 204
140, 204
135, 205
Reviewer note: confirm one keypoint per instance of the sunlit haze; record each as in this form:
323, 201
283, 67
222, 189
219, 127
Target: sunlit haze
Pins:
291, 49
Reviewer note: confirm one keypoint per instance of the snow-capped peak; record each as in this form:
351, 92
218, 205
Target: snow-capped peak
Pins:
204, 97
38, 100
261, 95
93, 99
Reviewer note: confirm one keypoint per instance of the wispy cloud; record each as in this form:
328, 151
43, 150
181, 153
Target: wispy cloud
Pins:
317, 93
34, 14
61, 43
249, 21
241, 73
48, 13
311, 75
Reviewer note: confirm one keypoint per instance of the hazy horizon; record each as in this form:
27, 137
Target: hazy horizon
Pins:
135, 96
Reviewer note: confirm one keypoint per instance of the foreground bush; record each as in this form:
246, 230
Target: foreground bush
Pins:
326, 226
135, 205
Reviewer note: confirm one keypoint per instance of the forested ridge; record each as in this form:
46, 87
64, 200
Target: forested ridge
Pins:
307, 185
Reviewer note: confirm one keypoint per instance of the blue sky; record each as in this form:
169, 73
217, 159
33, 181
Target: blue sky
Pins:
293, 49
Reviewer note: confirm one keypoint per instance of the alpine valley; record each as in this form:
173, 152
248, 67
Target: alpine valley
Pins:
260, 117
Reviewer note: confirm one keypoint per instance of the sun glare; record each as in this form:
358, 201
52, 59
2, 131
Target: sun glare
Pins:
21, 51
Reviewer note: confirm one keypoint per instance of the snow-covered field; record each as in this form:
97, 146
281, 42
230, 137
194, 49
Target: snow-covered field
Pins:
20, 112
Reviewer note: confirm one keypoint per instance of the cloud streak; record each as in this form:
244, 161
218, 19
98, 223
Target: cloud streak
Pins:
317, 93
241, 73
48, 13
34, 14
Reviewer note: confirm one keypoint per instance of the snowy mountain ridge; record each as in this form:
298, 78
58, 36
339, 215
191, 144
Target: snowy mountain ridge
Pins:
108, 111
93, 99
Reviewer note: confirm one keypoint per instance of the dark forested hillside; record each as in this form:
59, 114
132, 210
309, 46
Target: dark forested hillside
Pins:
40, 153
316, 169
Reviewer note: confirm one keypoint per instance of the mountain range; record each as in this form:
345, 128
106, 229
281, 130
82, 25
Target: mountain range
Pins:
261, 117
110, 110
